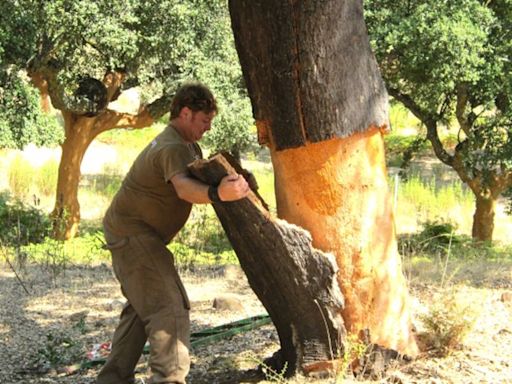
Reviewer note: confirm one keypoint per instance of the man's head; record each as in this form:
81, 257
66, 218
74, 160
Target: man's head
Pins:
195, 96
192, 111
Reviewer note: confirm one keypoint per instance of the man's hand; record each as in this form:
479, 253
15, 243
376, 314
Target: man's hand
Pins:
233, 187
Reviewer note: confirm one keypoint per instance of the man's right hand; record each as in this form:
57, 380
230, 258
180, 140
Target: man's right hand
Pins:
233, 187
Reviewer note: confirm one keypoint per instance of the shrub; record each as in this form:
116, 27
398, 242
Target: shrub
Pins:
435, 238
22, 224
83, 249
448, 322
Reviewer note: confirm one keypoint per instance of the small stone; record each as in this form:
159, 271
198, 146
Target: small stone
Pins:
233, 272
115, 305
78, 316
228, 302
506, 297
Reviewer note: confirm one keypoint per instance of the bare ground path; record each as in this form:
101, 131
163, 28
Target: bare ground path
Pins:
58, 323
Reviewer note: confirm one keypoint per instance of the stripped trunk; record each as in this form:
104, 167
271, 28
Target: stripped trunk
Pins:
483, 218
321, 107
66, 213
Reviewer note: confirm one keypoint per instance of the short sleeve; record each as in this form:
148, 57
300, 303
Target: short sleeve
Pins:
174, 159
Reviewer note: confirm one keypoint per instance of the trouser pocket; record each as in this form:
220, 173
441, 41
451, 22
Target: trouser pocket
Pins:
150, 264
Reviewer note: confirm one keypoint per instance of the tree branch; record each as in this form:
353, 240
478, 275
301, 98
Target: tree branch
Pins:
437, 145
430, 122
410, 104
465, 120
147, 115
444, 106
113, 81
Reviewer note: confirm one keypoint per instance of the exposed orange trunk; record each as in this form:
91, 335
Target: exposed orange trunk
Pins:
41, 84
66, 214
483, 219
338, 191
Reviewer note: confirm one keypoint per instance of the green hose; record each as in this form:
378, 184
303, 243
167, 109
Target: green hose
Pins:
204, 337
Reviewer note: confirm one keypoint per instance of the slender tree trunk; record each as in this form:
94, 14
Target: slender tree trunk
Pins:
321, 107
66, 213
483, 218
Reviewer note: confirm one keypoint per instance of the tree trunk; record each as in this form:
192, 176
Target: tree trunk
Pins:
295, 282
321, 106
66, 213
483, 218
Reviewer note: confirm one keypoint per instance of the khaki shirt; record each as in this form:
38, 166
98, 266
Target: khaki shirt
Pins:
147, 200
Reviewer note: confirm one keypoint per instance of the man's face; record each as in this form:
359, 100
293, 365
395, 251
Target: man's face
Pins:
197, 123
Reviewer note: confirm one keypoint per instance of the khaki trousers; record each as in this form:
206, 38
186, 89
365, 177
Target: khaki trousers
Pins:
157, 310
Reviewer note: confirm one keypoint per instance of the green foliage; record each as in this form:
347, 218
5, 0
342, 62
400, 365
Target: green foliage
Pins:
434, 238
450, 62
265, 178
427, 49
271, 374
439, 232
157, 44
56, 255
232, 130
135, 138
397, 146
202, 241
21, 224
46, 180
59, 350
431, 198
21, 118
21, 176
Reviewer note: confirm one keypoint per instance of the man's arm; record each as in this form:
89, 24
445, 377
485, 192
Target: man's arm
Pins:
231, 187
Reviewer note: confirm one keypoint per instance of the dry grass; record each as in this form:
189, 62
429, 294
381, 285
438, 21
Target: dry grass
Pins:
86, 303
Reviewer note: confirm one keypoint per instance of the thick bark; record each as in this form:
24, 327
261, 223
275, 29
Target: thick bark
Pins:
321, 106
483, 219
294, 52
295, 282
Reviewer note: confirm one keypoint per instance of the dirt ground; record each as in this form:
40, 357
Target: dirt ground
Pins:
46, 334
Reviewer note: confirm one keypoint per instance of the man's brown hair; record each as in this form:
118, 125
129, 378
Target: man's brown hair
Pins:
195, 96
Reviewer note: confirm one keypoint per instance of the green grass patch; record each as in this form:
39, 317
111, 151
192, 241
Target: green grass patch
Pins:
85, 249
430, 199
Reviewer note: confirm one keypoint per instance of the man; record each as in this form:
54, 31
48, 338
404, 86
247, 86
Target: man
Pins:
150, 208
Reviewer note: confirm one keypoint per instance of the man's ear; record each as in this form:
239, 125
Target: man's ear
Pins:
185, 112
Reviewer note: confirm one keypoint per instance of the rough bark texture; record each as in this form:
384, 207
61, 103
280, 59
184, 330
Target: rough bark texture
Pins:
293, 52
295, 282
321, 107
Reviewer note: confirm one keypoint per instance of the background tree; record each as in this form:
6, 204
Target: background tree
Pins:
82, 54
321, 107
449, 63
